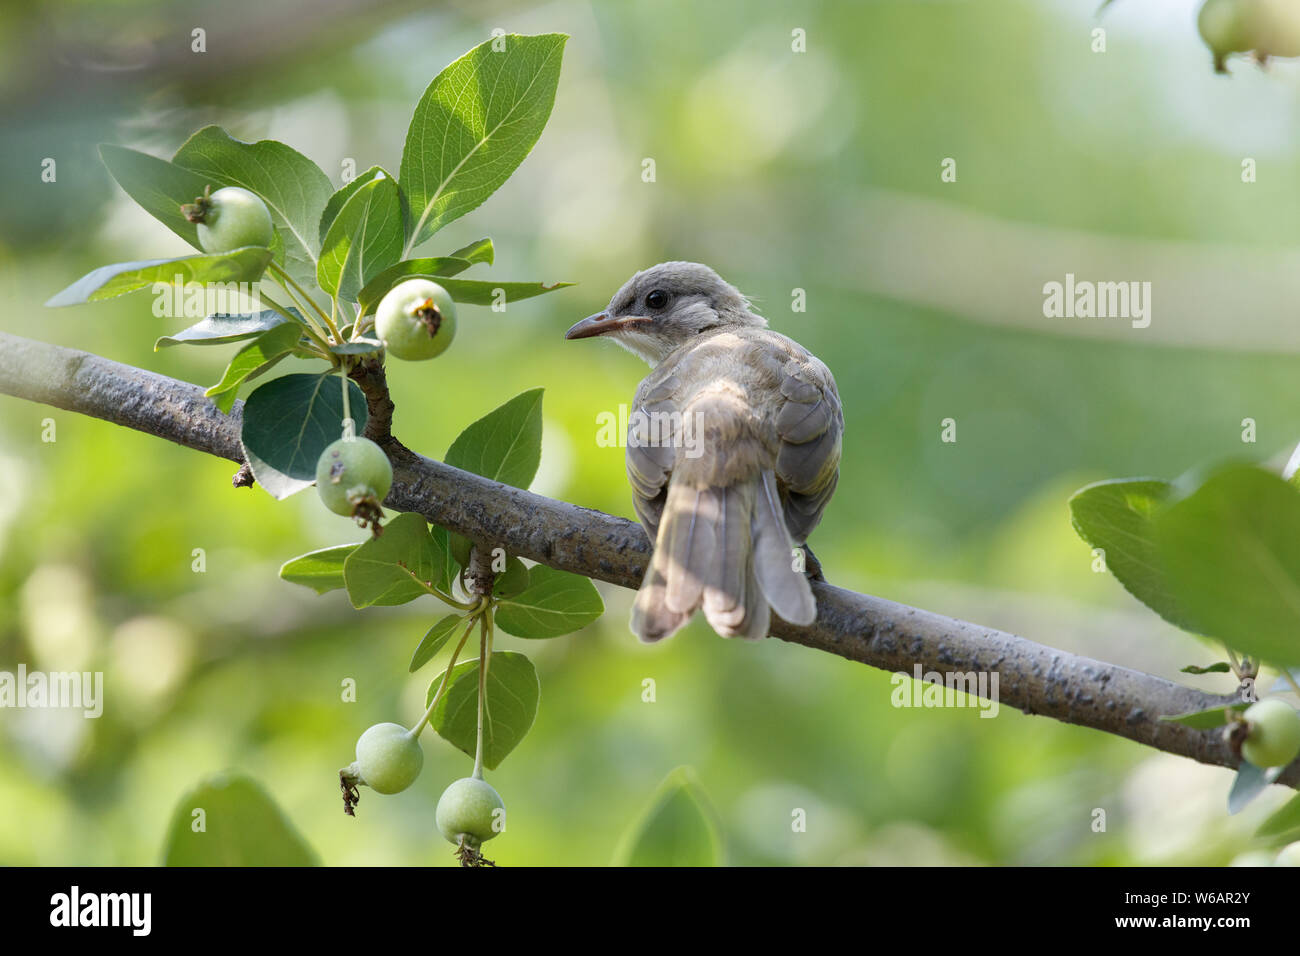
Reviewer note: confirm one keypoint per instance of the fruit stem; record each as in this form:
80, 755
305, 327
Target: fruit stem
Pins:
484, 643
349, 426
446, 676
1290, 679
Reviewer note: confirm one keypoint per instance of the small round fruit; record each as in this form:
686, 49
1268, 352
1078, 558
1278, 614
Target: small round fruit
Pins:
1224, 26
1274, 27
468, 810
352, 477
416, 320
1273, 739
232, 218
389, 758
1289, 855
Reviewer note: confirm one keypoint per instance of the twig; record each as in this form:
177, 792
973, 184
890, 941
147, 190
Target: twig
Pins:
871, 630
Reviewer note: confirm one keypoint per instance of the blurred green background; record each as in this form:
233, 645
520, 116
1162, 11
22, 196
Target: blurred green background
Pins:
818, 171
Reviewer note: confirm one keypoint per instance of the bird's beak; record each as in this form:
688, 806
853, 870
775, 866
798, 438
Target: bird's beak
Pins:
601, 324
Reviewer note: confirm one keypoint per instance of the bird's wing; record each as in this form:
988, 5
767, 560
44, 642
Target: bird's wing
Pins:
650, 457
810, 424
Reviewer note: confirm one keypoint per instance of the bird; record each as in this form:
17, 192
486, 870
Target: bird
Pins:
733, 452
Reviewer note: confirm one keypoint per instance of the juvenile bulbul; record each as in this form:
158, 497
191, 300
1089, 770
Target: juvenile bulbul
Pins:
733, 452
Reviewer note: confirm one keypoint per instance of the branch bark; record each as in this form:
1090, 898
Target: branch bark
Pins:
870, 630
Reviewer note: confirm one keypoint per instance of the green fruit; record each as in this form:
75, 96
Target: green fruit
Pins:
1274, 733
416, 320
352, 477
389, 758
1289, 855
1224, 27
470, 808
1274, 27
230, 218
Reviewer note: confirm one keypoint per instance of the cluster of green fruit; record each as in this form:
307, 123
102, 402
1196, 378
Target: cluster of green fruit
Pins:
470, 811
416, 321
1265, 28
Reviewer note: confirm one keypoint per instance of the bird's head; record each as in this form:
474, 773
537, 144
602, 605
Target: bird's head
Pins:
665, 306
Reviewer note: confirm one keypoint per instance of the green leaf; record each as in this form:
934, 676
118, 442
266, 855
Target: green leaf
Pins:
1207, 719
1284, 821
461, 547
107, 282
1231, 550
343, 194
512, 694
288, 423
160, 187
358, 347
505, 444
435, 268
1218, 667
222, 329
435, 639
322, 570
1117, 516
480, 250
513, 580
292, 186
252, 360
242, 826
363, 240
677, 829
398, 566
448, 569
1249, 783
483, 292
464, 291
475, 124
553, 603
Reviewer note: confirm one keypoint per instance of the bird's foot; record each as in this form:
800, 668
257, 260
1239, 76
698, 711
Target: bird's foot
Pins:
812, 567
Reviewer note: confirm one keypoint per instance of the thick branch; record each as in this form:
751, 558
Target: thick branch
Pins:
1033, 678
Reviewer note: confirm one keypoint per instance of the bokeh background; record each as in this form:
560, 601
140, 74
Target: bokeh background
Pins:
817, 170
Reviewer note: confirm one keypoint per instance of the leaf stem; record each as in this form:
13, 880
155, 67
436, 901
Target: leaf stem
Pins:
1233, 661
448, 599
310, 329
287, 280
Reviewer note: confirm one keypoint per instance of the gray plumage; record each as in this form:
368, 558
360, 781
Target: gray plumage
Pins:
733, 452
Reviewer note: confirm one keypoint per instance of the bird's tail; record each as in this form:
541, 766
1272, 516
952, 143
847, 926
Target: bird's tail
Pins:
724, 548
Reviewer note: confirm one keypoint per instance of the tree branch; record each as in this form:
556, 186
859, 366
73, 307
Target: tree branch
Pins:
871, 630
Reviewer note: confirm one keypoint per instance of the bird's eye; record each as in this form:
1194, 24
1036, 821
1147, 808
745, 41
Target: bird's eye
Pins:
657, 299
